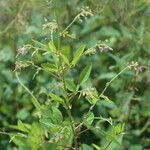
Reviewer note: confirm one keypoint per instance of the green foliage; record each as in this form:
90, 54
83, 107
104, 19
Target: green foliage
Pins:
85, 74
77, 54
89, 119
56, 98
76, 83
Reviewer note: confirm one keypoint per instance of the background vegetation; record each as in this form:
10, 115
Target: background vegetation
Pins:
124, 25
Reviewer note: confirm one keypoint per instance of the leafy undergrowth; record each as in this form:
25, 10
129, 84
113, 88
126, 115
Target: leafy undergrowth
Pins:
82, 82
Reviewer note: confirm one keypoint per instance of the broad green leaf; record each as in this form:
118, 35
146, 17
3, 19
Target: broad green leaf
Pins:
53, 114
56, 98
88, 120
85, 74
65, 50
35, 137
20, 141
70, 85
114, 133
92, 96
51, 119
47, 125
49, 67
57, 115
51, 47
78, 54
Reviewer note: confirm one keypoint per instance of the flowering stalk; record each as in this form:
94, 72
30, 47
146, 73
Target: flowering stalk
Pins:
83, 14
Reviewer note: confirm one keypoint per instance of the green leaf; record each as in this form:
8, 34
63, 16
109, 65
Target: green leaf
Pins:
77, 55
86, 147
88, 121
22, 126
105, 97
70, 85
53, 114
51, 118
109, 120
109, 31
56, 98
35, 137
92, 96
57, 115
49, 67
96, 147
114, 133
65, 50
48, 126
65, 59
39, 43
119, 128
20, 141
51, 47
85, 74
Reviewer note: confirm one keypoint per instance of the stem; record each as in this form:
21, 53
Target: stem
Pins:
52, 74
34, 100
107, 145
83, 131
69, 114
68, 108
75, 18
12, 134
51, 33
107, 85
22, 135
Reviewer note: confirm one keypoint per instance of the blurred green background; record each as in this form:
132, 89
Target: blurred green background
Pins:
122, 24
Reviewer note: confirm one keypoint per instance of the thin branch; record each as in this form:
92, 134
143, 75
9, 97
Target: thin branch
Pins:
75, 18
34, 100
105, 88
107, 145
